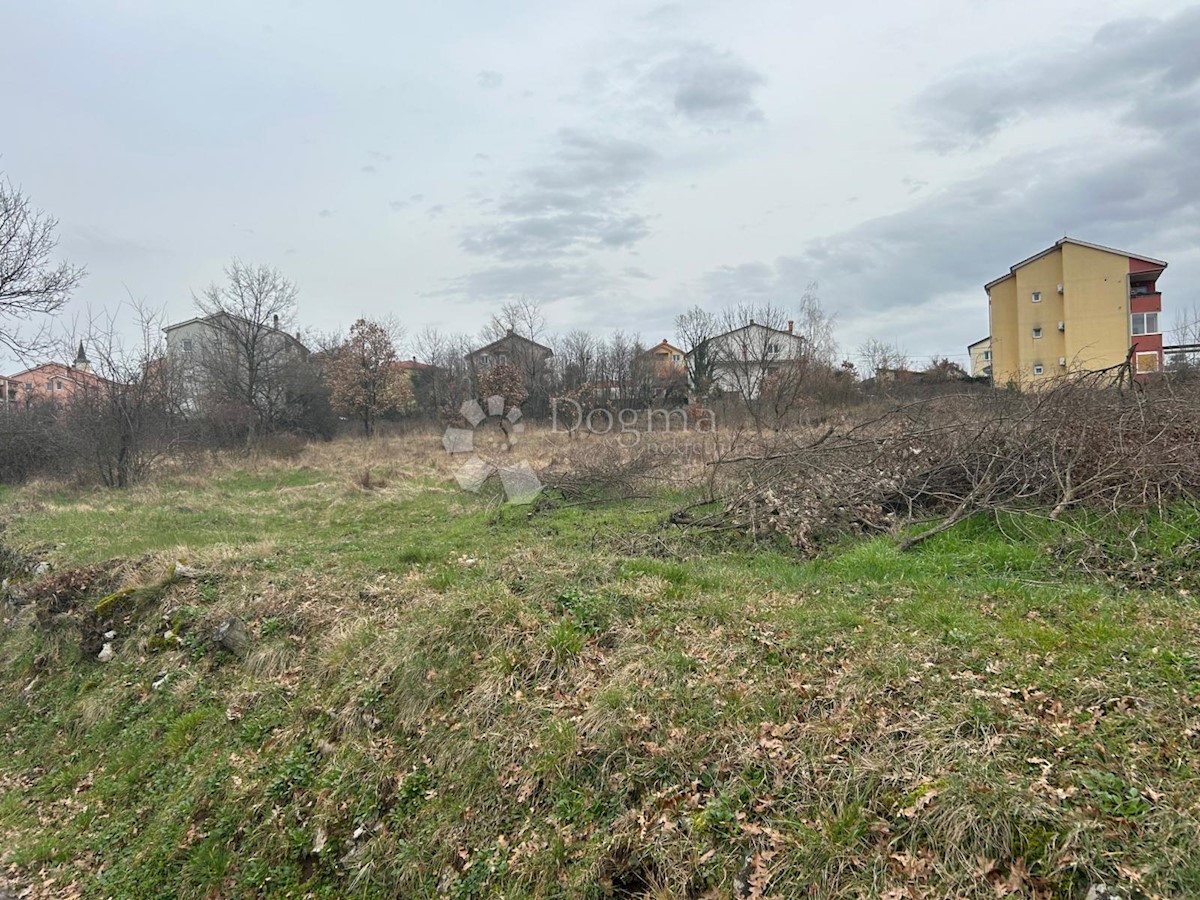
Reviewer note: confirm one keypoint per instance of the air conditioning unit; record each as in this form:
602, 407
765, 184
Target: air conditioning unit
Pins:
1062, 360
1062, 326
1060, 288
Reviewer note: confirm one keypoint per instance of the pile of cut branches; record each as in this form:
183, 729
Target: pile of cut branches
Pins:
603, 470
1082, 442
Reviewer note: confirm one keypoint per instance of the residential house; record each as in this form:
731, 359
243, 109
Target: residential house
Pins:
1075, 307
980, 353
50, 382
667, 358
512, 350
412, 366
891, 375
664, 371
215, 346
742, 360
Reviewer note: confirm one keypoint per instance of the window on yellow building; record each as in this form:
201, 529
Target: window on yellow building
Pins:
1037, 297
1145, 323
1038, 370
1037, 334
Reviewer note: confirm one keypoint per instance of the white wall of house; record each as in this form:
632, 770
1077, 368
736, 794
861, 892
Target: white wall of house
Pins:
742, 359
190, 351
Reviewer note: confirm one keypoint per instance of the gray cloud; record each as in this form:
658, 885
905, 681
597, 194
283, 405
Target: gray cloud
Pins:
582, 198
489, 80
707, 86
576, 202
663, 83
538, 280
1128, 62
325, 213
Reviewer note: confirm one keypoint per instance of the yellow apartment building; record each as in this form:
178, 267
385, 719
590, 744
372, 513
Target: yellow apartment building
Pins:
1073, 307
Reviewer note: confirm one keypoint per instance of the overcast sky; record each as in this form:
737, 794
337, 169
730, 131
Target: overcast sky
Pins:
616, 161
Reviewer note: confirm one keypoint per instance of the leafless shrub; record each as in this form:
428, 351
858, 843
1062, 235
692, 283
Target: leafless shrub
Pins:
1083, 442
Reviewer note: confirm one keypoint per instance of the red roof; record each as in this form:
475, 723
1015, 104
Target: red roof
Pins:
411, 365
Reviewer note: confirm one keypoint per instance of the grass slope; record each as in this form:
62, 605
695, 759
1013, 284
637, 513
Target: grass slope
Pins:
446, 698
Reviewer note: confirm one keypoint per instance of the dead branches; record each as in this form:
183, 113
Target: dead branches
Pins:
1083, 443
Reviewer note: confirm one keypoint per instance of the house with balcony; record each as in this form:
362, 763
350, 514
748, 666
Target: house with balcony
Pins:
663, 371
1074, 307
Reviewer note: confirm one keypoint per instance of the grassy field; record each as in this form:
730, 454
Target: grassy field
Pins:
444, 696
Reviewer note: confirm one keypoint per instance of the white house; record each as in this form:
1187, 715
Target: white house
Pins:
244, 356
741, 360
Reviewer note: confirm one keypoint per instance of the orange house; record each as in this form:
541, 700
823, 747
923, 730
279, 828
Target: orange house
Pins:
668, 359
667, 369
52, 382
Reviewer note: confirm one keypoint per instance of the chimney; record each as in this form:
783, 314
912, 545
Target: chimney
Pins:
276, 323
791, 325
510, 331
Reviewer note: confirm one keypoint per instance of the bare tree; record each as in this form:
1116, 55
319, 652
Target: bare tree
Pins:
816, 327
523, 316
1185, 332
122, 415
247, 349
577, 357
878, 356
446, 383
31, 284
693, 330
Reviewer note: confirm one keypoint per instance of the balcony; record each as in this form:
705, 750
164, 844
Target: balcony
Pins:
1144, 301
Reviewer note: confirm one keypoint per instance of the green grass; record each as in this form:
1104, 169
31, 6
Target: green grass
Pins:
448, 698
